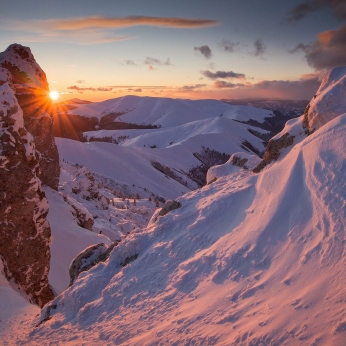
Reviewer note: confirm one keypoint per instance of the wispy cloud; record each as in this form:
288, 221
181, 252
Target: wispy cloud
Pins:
102, 22
328, 51
223, 74
229, 46
260, 47
223, 84
303, 88
189, 88
153, 61
129, 62
305, 8
204, 50
95, 29
80, 81
77, 88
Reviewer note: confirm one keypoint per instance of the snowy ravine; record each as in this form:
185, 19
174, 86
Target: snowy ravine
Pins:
250, 259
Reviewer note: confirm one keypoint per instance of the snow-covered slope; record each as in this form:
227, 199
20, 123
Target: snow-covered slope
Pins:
16, 313
253, 259
125, 165
168, 112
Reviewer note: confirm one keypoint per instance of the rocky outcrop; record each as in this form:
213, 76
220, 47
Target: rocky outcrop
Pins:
169, 206
88, 258
84, 186
24, 231
273, 150
239, 161
328, 102
32, 92
84, 218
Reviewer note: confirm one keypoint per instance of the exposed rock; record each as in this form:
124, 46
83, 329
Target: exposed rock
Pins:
81, 213
24, 231
239, 161
128, 260
85, 187
88, 258
169, 206
273, 150
328, 103
31, 90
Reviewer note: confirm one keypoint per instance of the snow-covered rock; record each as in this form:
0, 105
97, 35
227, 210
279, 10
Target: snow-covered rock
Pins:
32, 92
328, 103
24, 231
233, 165
82, 214
169, 206
88, 258
84, 186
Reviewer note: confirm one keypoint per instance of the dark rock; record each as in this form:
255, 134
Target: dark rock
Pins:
169, 206
128, 260
273, 150
239, 161
88, 258
83, 216
24, 231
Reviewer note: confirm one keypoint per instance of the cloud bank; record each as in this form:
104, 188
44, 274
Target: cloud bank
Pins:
305, 8
328, 51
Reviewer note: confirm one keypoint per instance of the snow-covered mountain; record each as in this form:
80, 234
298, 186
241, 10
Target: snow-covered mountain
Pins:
141, 256
181, 139
250, 259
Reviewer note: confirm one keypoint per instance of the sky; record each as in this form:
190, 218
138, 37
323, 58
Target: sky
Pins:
197, 49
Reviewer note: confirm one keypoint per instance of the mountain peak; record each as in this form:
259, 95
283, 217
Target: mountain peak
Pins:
20, 62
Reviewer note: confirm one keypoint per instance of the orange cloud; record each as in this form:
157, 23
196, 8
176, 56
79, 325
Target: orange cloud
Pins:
328, 51
117, 22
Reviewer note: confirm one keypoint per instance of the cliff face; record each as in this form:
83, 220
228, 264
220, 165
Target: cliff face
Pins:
31, 90
24, 230
28, 154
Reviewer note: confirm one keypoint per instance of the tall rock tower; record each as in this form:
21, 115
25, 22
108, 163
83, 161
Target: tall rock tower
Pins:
28, 155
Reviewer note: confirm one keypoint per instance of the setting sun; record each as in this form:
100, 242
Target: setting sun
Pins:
54, 95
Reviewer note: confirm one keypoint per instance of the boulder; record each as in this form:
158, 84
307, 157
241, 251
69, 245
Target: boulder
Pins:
169, 206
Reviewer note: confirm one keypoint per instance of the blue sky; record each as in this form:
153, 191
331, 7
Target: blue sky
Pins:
103, 49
